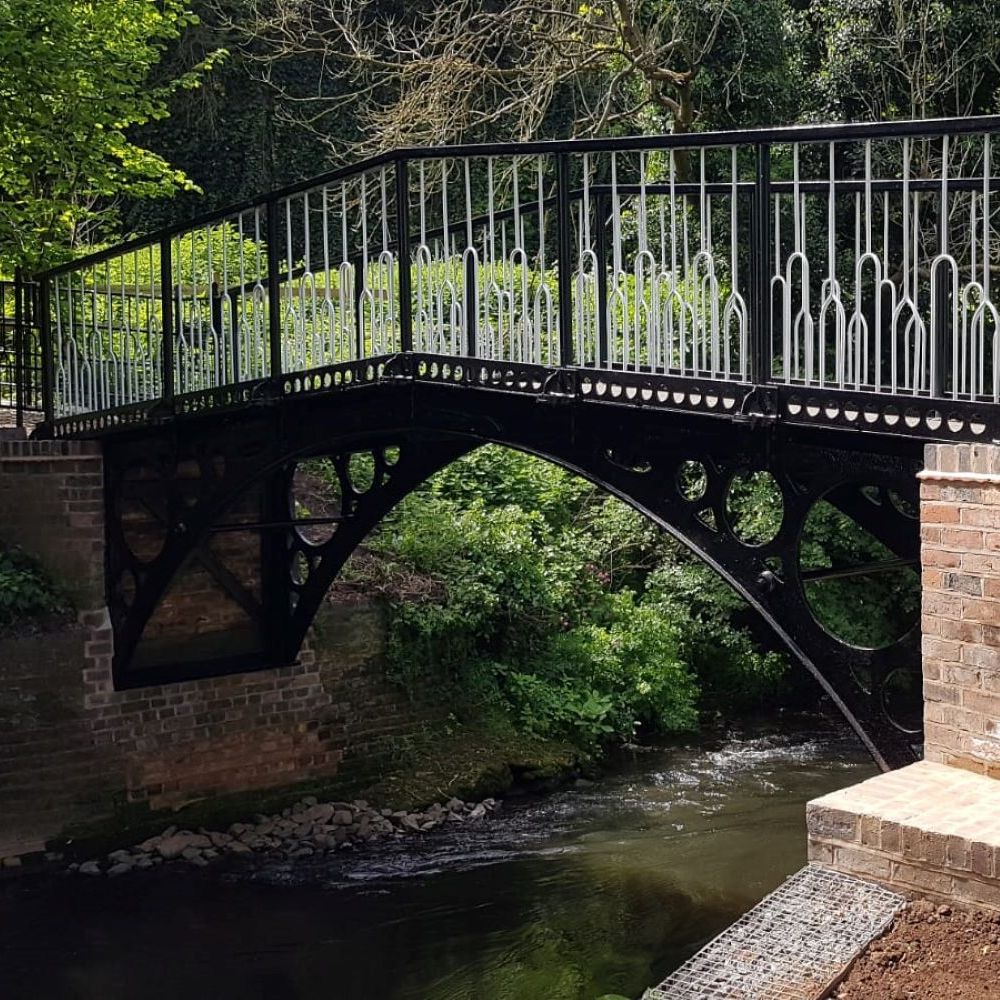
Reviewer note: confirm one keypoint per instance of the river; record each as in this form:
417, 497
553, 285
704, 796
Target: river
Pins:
598, 889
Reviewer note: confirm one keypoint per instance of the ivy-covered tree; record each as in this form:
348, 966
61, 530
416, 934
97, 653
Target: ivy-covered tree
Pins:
74, 82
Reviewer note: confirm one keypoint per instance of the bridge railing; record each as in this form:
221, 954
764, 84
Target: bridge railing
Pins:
20, 348
855, 258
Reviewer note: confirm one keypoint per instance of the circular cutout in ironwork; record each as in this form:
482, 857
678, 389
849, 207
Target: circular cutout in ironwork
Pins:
903, 699
140, 517
300, 569
316, 500
857, 589
127, 587
708, 519
862, 676
361, 471
390, 455
692, 480
755, 507
908, 508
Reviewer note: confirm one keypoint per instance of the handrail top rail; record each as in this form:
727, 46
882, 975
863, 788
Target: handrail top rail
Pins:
770, 135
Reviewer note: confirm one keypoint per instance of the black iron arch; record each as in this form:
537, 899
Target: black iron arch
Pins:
634, 454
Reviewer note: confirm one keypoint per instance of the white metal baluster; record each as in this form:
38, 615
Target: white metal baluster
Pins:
986, 305
802, 326
470, 265
58, 352
494, 293
675, 316
422, 317
111, 373
689, 319
445, 303
127, 395
214, 359
366, 332
830, 294
389, 338
736, 307
347, 333
913, 329
292, 325
920, 332
944, 259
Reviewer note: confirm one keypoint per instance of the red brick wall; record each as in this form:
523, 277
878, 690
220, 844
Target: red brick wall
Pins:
960, 553
72, 748
52, 505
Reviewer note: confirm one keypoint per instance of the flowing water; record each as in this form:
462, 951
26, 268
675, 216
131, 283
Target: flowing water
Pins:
598, 889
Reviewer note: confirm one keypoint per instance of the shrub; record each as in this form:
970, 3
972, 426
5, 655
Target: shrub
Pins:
25, 592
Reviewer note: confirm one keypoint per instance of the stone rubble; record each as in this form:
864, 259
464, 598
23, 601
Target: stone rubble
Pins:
306, 829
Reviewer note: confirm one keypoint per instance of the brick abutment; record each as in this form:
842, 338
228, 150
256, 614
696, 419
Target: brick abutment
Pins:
933, 828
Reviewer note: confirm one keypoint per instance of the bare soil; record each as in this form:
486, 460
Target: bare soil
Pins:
930, 953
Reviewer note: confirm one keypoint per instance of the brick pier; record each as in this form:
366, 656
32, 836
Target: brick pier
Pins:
934, 828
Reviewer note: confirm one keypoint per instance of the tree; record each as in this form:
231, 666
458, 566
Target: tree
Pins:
73, 82
878, 59
439, 72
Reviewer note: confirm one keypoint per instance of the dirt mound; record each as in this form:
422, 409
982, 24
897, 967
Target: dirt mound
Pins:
930, 953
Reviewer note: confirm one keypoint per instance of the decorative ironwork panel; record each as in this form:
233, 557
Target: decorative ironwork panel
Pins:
20, 348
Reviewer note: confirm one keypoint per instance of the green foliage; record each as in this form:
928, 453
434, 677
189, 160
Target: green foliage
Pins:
732, 670
25, 593
74, 81
558, 607
901, 59
872, 610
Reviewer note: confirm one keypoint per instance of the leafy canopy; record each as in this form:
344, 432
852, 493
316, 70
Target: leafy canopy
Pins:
73, 82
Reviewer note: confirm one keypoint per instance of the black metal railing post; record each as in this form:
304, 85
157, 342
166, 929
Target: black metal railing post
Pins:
19, 366
48, 355
167, 333
403, 254
470, 297
760, 256
273, 290
940, 332
601, 253
360, 277
565, 273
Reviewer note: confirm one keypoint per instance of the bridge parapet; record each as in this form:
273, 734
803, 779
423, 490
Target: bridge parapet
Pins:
845, 268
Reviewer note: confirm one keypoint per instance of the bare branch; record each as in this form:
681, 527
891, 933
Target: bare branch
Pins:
467, 69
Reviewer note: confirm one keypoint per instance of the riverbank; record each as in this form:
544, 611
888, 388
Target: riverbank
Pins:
307, 829
404, 776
